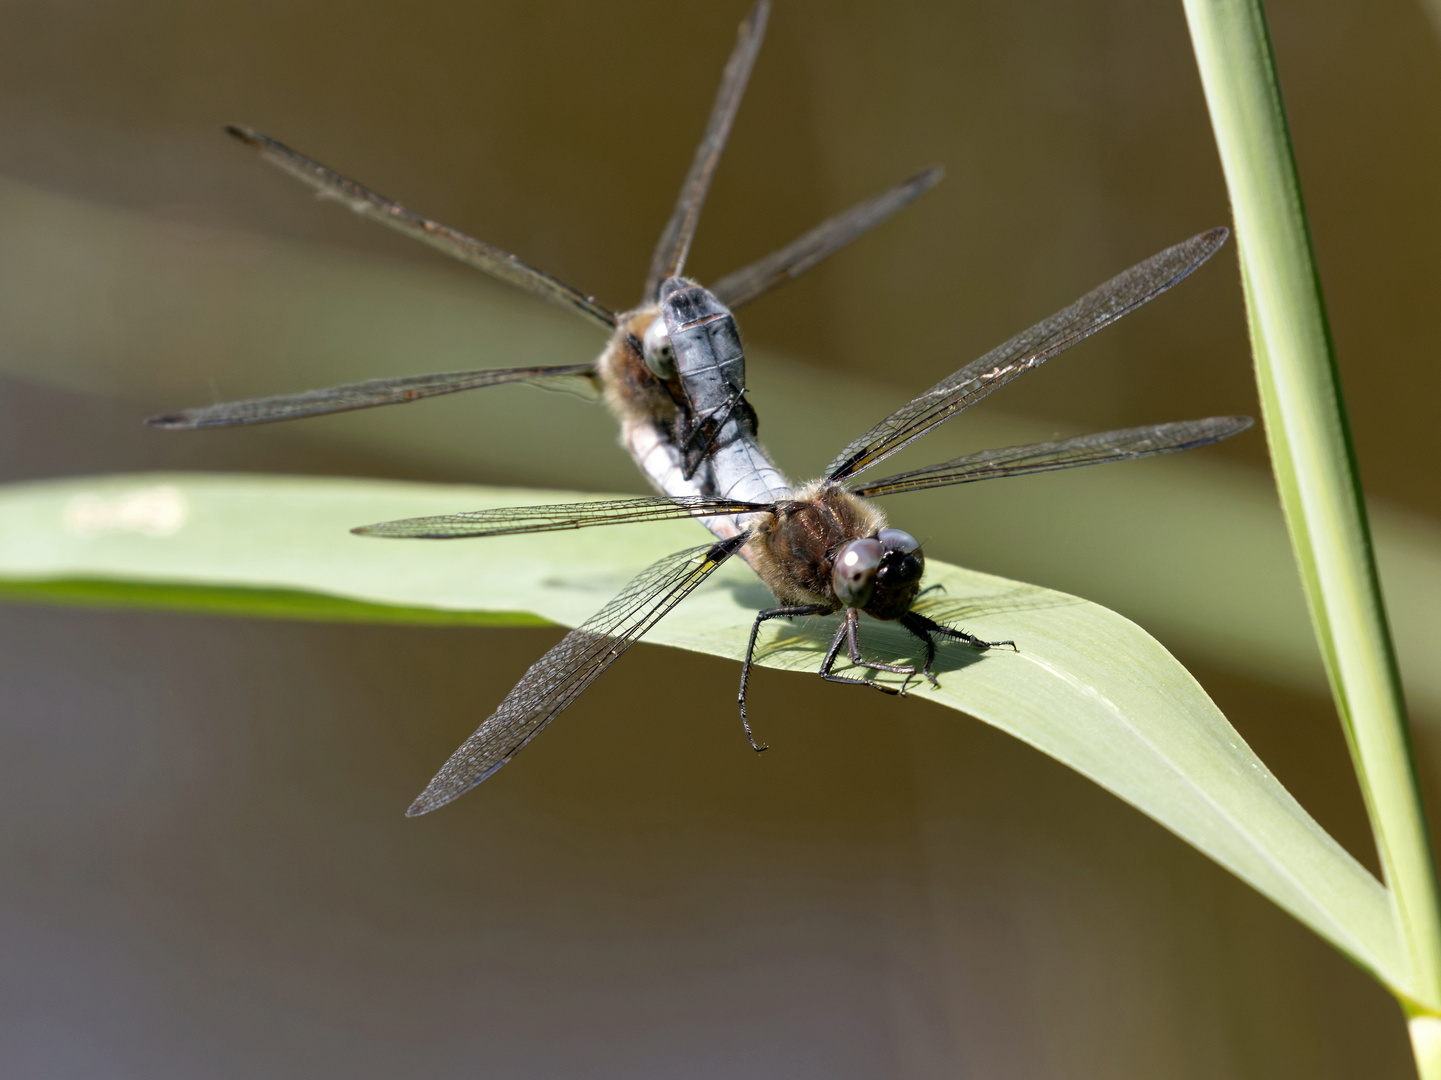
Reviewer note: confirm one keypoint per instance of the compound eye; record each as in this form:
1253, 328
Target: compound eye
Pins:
854, 575
659, 356
897, 540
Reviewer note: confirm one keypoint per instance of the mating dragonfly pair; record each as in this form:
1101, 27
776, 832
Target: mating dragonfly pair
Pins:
673, 375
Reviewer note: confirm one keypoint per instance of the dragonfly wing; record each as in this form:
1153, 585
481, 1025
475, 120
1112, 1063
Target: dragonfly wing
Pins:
1124, 445
368, 204
514, 520
563, 674
1097, 309
373, 392
670, 252
820, 243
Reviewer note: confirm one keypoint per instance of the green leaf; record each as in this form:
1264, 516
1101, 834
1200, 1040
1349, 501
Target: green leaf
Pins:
1088, 687
316, 316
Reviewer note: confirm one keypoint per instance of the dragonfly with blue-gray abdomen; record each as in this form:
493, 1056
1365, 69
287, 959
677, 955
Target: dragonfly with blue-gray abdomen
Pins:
823, 548
633, 375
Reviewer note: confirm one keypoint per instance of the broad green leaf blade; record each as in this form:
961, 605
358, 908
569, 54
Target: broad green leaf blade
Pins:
77, 313
1088, 687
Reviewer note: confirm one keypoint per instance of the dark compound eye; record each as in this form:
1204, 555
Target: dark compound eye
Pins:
899, 570
898, 577
854, 574
659, 356
898, 540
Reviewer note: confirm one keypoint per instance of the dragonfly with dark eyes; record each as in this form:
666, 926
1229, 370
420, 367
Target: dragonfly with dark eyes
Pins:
634, 375
823, 548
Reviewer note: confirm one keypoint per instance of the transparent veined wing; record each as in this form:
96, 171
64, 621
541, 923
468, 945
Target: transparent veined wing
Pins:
514, 520
674, 244
563, 674
1026, 351
1125, 445
330, 184
575, 378
820, 243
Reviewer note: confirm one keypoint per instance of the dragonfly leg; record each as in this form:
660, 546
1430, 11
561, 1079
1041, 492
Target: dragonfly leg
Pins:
970, 639
922, 632
923, 628
846, 634
710, 427
770, 613
853, 648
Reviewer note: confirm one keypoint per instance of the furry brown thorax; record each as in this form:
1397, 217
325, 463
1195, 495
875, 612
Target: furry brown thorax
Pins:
794, 551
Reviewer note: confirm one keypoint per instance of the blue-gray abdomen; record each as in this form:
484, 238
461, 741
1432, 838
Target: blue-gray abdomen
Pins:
710, 364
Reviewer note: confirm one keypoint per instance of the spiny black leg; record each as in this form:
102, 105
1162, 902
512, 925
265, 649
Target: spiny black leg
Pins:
920, 631
762, 616
836, 639
961, 635
845, 633
725, 414
691, 461
853, 643
691, 458
937, 587
833, 652
923, 628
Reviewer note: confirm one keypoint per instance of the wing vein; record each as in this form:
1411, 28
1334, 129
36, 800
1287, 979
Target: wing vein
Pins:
1124, 445
372, 393
562, 674
516, 520
675, 239
509, 268
1026, 351
801, 254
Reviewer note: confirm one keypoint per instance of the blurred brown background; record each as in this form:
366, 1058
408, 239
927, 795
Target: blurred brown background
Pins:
208, 871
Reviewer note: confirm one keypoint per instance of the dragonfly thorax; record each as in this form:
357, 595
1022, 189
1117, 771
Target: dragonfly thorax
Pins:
795, 547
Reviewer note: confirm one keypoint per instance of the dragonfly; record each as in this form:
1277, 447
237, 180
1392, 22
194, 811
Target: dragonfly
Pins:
634, 375
823, 548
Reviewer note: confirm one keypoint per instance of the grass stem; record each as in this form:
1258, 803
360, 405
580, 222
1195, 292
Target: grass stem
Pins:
1316, 474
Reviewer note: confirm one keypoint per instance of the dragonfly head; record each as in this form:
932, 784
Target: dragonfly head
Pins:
881, 575
658, 352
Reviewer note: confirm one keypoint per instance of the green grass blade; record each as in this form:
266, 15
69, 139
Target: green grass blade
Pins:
1312, 454
1088, 687
315, 316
